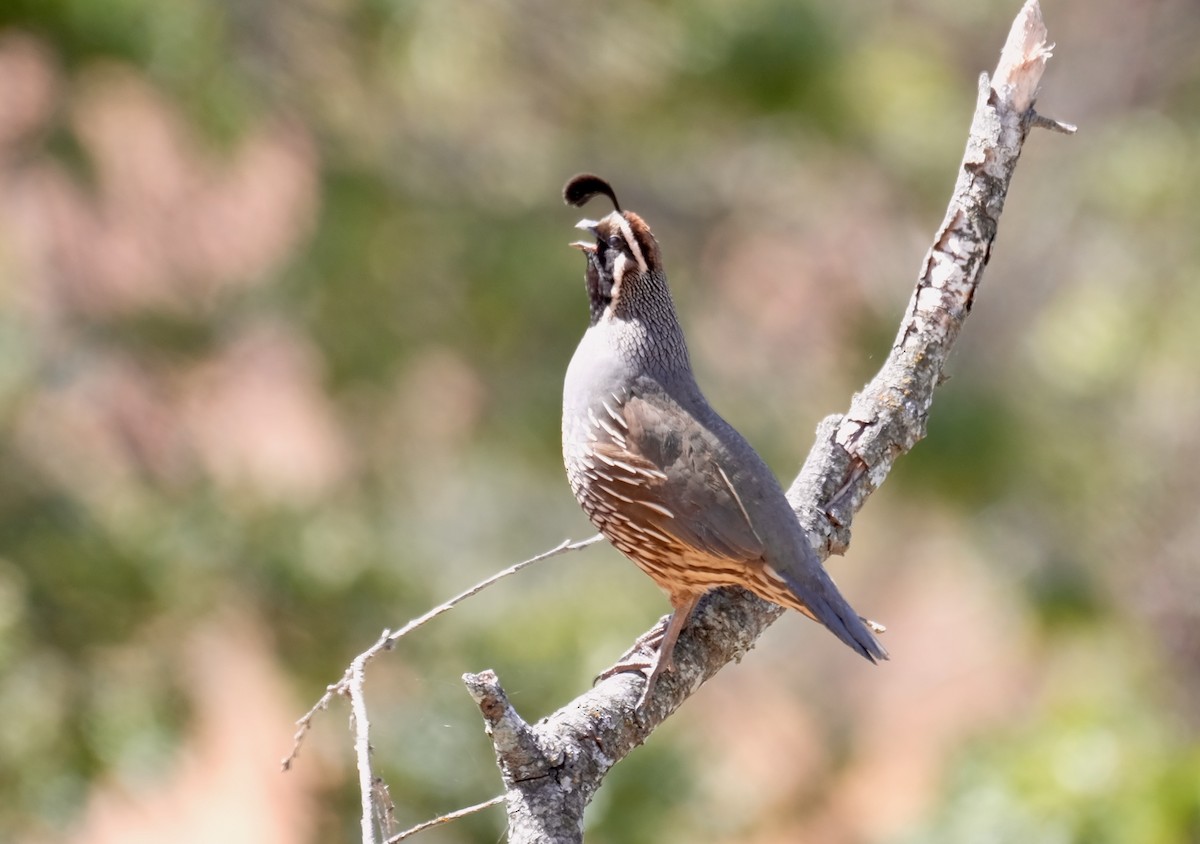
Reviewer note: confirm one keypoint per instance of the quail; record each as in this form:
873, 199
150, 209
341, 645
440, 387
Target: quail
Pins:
666, 480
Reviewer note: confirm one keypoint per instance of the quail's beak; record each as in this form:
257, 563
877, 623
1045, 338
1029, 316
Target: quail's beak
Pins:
590, 227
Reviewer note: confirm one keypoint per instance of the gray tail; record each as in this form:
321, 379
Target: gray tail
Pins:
831, 609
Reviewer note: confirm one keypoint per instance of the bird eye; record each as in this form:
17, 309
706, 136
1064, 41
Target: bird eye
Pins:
616, 242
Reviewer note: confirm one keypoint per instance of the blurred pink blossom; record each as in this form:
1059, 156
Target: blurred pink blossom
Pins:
163, 222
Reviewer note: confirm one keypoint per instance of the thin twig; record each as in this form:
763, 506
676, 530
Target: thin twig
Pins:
1041, 121
362, 744
389, 637
452, 816
383, 795
304, 723
564, 547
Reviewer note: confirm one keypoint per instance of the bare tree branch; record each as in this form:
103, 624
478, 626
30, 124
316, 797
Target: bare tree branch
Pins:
388, 638
446, 818
552, 769
372, 789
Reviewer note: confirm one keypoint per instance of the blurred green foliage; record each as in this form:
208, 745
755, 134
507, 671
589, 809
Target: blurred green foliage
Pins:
284, 308
1097, 768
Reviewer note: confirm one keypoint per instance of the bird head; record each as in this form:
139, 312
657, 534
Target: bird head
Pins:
624, 260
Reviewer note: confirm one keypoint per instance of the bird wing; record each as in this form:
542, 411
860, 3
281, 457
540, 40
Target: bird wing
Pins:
681, 475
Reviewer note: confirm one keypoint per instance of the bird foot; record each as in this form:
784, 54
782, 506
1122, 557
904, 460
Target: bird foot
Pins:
644, 657
636, 661
660, 641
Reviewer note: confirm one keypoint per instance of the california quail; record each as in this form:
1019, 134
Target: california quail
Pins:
669, 482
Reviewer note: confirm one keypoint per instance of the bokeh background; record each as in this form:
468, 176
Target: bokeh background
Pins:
285, 303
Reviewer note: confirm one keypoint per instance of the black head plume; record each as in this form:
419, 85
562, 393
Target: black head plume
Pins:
583, 187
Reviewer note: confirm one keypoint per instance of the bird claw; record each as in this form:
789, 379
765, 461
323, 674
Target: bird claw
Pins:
644, 657
648, 667
626, 665
651, 640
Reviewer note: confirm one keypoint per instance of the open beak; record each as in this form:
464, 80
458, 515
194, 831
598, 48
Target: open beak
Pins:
590, 227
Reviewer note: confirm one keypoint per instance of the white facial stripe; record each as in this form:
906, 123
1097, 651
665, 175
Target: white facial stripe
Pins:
620, 267
627, 230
